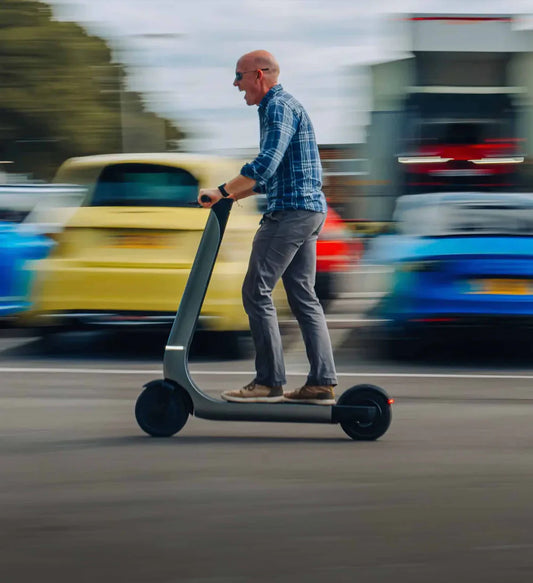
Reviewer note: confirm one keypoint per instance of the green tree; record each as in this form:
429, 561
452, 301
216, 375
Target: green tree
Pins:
61, 95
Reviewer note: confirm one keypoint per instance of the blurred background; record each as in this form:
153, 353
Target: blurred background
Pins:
408, 99
113, 113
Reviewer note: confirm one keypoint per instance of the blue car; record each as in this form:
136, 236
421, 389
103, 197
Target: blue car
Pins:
460, 262
17, 248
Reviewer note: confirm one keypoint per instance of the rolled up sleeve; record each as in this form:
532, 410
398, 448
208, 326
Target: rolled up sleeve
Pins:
260, 188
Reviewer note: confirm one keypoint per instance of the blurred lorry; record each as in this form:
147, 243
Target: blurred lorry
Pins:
463, 138
450, 108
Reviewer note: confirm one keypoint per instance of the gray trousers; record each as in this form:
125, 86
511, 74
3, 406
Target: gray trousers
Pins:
285, 247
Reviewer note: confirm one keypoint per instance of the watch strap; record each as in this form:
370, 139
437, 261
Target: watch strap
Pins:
223, 190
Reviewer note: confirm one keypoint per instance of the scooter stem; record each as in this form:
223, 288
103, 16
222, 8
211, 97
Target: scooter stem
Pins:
184, 325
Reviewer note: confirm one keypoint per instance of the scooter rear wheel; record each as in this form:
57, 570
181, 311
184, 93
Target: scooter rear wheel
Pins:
161, 409
367, 396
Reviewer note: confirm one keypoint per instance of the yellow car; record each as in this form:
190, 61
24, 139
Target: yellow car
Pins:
125, 254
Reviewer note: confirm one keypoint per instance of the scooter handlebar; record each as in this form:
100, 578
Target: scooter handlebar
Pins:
206, 198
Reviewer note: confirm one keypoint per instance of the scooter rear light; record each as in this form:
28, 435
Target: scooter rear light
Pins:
390, 401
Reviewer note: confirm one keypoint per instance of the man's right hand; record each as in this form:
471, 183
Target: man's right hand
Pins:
213, 194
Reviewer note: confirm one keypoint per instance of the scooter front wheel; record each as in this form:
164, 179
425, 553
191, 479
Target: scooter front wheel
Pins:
378, 423
161, 409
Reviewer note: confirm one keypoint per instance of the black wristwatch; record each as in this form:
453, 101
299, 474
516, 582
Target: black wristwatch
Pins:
223, 191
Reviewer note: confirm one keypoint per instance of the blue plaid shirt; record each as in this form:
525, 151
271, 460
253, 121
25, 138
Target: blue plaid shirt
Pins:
288, 167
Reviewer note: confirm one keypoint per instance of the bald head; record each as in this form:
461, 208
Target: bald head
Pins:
261, 60
255, 74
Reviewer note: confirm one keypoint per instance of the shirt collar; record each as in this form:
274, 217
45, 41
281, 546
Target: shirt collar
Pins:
268, 96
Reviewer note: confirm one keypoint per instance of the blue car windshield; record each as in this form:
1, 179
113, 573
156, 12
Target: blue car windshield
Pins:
145, 185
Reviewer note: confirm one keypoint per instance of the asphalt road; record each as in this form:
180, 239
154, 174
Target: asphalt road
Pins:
85, 496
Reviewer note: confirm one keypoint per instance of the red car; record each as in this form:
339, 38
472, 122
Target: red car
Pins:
336, 253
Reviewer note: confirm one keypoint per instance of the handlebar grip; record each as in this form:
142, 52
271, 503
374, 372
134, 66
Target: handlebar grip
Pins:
205, 198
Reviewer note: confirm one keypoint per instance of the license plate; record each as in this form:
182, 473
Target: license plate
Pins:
139, 241
510, 287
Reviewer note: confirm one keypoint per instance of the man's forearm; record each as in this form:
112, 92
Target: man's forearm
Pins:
240, 187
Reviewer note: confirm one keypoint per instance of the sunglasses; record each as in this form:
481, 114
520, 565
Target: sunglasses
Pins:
239, 75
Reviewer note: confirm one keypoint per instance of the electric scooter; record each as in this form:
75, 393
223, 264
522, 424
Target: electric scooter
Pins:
163, 407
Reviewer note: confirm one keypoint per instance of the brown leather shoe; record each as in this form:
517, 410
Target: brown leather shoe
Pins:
253, 393
316, 395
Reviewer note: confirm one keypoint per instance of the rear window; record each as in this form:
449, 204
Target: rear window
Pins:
145, 185
488, 218
468, 217
459, 132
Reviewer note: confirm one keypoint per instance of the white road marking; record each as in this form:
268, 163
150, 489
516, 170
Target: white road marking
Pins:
155, 371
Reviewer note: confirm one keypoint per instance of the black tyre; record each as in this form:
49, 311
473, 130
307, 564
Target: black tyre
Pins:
369, 396
161, 409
